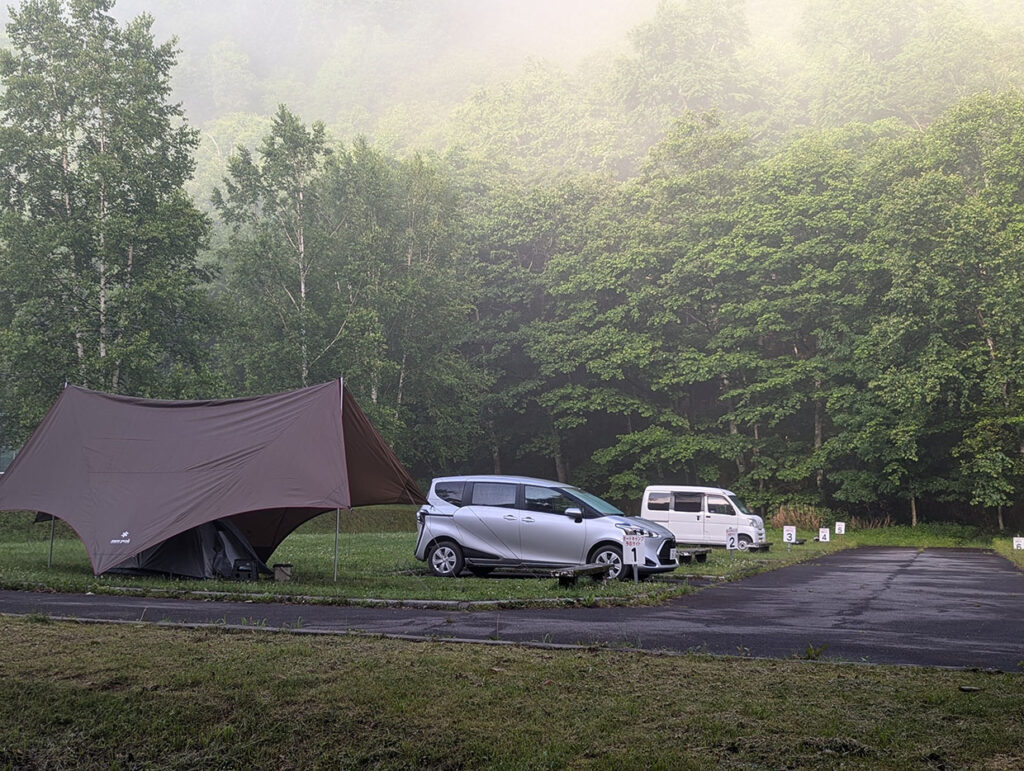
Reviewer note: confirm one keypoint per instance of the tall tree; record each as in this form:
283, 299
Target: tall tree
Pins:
685, 58
342, 261
272, 201
98, 242
635, 304
950, 327
908, 59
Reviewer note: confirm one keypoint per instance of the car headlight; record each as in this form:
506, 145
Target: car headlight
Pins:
634, 530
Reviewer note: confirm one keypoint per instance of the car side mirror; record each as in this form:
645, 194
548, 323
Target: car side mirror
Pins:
575, 512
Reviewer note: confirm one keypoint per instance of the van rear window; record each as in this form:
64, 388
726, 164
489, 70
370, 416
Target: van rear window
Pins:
450, 492
658, 501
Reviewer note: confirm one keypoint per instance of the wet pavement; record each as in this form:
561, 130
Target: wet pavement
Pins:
936, 607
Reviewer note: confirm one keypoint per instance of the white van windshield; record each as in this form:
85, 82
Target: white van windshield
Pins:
603, 508
740, 505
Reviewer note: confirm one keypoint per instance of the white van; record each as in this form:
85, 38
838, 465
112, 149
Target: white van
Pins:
702, 515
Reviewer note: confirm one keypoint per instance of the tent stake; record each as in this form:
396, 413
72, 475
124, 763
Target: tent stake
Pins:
337, 529
49, 561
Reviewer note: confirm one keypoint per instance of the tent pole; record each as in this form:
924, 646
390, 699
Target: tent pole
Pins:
337, 529
49, 561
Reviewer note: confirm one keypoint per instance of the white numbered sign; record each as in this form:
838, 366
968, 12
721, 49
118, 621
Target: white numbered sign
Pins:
789, 533
632, 549
840, 528
823, 534
731, 538
1018, 544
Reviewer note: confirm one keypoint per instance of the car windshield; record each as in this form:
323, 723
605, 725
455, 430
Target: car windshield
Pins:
602, 507
740, 506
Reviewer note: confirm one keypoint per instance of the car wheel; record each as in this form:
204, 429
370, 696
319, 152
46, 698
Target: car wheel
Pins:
445, 559
480, 572
743, 542
612, 556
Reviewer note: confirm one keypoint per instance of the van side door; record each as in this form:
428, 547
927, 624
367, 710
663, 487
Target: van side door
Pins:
686, 519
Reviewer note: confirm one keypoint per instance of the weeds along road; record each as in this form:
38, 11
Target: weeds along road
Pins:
937, 607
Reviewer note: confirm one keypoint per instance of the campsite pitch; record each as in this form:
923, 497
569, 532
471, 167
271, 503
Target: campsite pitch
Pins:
937, 607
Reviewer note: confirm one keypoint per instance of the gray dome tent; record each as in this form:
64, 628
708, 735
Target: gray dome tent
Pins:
128, 474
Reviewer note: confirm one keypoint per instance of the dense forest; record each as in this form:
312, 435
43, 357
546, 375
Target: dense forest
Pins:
774, 245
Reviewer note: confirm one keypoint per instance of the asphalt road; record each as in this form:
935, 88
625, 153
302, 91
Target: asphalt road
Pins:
938, 607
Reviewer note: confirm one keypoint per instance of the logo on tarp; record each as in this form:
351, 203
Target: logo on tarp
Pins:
123, 539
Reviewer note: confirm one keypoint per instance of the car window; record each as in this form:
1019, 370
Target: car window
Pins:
450, 491
602, 507
547, 500
494, 494
719, 505
658, 501
686, 502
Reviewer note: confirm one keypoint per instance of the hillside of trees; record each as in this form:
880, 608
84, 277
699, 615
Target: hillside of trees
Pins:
774, 245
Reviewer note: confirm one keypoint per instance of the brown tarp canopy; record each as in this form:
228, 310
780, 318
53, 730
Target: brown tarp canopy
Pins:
127, 473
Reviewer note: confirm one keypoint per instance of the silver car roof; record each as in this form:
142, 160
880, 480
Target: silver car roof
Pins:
500, 478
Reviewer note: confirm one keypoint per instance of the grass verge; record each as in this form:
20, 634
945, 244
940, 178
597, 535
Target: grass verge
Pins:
89, 696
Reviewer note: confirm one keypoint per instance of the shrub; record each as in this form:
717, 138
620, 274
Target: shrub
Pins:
803, 516
870, 523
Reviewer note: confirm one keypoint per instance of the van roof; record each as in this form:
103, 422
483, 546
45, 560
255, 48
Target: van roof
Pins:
688, 489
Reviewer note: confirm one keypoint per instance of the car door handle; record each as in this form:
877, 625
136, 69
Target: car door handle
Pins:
528, 519
511, 517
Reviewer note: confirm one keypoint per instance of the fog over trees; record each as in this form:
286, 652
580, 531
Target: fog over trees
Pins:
768, 244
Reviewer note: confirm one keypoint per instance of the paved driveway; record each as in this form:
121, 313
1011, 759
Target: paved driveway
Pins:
941, 607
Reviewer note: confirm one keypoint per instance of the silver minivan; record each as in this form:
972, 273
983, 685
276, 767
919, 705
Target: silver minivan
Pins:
485, 522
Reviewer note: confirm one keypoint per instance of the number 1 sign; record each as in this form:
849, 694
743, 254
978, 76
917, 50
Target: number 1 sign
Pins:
632, 549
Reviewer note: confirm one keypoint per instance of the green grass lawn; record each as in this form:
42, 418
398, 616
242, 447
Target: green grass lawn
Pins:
75, 695
375, 562
134, 696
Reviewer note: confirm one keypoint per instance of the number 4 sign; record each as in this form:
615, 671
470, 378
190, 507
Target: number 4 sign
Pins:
823, 534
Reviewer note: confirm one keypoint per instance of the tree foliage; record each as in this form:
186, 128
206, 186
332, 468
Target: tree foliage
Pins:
703, 256
98, 242
344, 263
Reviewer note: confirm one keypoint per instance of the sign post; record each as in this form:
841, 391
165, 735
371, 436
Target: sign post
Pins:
1018, 544
823, 534
632, 551
732, 540
789, 535
840, 528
